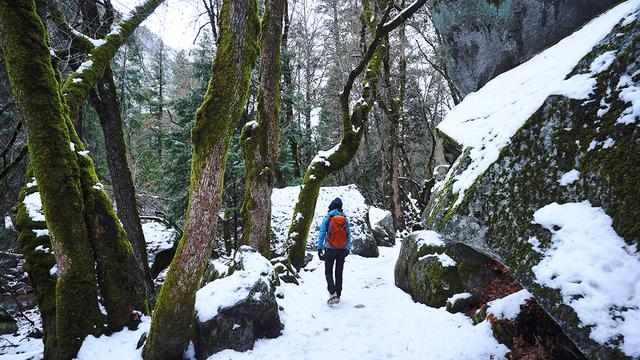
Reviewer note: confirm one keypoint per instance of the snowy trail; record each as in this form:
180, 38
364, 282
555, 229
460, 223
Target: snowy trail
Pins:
389, 326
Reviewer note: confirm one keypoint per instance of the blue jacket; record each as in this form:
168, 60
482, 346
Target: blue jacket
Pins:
323, 231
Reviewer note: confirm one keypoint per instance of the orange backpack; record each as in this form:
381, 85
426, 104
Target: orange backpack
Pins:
337, 232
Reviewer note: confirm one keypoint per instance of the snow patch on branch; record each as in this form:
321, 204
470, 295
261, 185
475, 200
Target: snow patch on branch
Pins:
33, 205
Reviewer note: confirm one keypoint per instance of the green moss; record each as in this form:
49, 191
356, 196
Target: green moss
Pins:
221, 109
553, 141
260, 142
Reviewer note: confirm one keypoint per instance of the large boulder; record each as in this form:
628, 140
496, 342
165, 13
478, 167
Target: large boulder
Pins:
548, 184
484, 38
354, 205
234, 311
381, 222
432, 270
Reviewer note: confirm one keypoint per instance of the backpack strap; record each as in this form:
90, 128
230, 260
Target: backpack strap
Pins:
328, 232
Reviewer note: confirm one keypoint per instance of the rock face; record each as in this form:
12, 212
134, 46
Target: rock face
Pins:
484, 38
381, 222
518, 322
582, 153
432, 270
234, 311
354, 206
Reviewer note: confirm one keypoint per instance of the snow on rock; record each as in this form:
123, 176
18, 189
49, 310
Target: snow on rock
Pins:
229, 291
283, 203
376, 215
443, 258
233, 311
508, 307
427, 238
158, 237
596, 272
569, 177
33, 205
630, 94
460, 296
485, 121
381, 222
120, 345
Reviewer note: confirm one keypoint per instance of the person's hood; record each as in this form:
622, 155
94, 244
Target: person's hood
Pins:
335, 204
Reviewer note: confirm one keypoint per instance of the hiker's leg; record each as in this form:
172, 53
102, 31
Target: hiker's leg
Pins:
329, 258
339, 266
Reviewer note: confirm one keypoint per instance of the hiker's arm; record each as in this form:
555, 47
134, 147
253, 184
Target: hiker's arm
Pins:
348, 236
323, 233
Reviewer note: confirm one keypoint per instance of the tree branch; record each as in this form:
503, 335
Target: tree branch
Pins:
77, 86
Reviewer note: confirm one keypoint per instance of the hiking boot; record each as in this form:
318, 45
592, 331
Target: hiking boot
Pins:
333, 299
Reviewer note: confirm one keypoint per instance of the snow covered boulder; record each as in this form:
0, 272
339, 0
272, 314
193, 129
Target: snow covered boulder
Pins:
432, 270
381, 222
234, 311
354, 205
549, 177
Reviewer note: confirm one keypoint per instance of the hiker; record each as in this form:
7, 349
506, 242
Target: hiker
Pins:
334, 243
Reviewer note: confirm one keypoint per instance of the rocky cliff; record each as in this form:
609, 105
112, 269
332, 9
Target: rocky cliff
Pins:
548, 182
484, 38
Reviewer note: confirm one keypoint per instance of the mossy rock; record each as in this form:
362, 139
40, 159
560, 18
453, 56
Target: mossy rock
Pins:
8, 324
432, 282
495, 216
463, 304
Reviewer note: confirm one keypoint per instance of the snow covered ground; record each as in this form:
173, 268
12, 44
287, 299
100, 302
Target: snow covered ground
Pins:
19, 346
374, 320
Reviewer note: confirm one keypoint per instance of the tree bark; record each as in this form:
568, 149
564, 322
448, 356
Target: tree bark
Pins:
289, 89
36, 90
215, 121
105, 101
353, 123
89, 242
259, 139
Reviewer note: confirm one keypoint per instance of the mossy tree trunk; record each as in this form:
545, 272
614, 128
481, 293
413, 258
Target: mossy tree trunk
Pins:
104, 98
89, 242
287, 76
215, 121
259, 139
353, 123
105, 101
56, 170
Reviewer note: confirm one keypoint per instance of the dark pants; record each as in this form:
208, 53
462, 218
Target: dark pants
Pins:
337, 256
